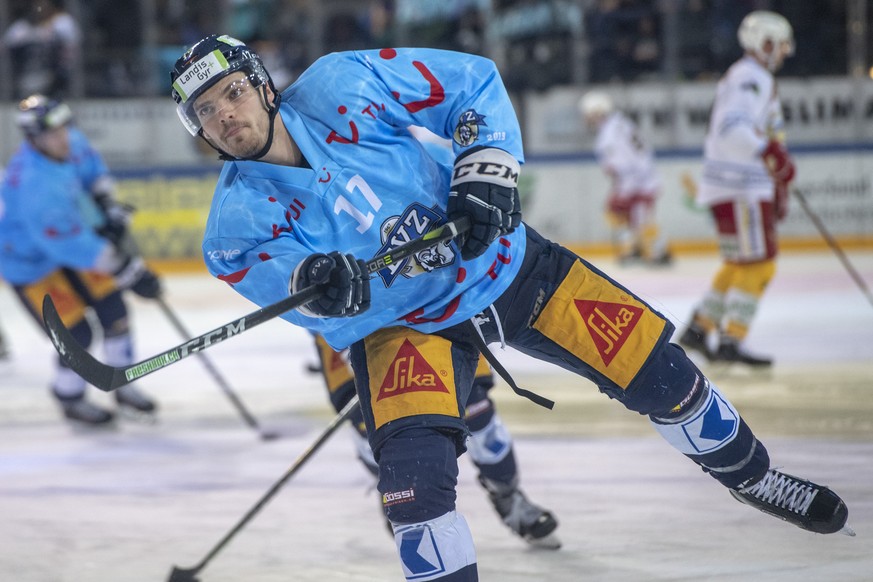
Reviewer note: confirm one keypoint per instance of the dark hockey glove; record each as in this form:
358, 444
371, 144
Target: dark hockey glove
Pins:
345, 282
779, 162
485, 187
116, 215
134, 275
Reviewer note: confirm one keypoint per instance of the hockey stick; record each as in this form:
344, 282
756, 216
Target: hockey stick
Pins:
108, 378
216, 375
816, 220
188, 574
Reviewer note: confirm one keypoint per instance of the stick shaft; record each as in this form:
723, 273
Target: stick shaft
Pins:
108, 378
210, 367
822, 229
345, 413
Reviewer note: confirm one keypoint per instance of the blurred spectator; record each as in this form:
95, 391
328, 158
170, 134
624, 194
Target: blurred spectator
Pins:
695, 60
646, 53
380, 22
623, 39
819, 26
44, 47
274, 60
726, 16
344, 31
115, 38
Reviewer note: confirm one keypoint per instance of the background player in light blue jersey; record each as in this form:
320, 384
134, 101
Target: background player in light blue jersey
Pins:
62, 233
327, 172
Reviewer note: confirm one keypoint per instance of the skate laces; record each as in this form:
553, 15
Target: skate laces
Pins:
783, 491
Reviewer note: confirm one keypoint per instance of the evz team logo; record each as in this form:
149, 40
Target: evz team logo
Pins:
467, 130
415, 221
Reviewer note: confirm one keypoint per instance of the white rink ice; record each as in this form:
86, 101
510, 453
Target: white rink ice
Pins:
126, 504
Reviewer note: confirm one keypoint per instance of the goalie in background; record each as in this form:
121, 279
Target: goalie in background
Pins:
63, 233
630, 165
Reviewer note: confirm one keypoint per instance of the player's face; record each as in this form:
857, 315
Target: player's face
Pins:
54, 143
783, 51
775, 54
233, 116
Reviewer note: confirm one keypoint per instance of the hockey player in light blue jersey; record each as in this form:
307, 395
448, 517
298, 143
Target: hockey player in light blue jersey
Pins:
326, 173
62, 233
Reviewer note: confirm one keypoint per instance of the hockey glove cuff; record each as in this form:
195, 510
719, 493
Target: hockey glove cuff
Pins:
344, 281
485, 187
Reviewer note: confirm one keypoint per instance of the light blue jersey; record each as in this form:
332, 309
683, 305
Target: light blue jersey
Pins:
371, 187
45, 222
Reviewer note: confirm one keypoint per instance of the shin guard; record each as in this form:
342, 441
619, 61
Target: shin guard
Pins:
438, 549
708, 430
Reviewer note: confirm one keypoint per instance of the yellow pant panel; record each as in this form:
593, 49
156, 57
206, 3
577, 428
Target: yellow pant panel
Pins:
410, 374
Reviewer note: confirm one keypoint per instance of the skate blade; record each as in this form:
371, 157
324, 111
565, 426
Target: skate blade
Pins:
81, 427
847, 531
136, 415
548, 542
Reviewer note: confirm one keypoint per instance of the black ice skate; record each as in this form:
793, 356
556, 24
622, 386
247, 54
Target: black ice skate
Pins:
694, 339
81, 411
534, 524
729, 350
631, 257
665, 259
135, 404
808, 506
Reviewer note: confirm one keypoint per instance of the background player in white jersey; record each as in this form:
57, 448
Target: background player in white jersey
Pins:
746, 175
629, 163
4, 349
489, 444
62, 233
329, 164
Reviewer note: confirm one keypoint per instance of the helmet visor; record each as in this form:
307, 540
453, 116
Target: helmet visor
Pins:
222, 99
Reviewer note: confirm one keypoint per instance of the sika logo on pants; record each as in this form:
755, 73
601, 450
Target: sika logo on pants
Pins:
600, 323
609, 324
410, 374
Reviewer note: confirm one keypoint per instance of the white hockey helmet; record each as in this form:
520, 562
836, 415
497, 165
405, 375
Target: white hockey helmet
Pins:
761, 26
595, 104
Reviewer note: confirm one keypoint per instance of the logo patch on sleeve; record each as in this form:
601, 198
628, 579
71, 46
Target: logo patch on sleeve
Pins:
601, 324
410, 374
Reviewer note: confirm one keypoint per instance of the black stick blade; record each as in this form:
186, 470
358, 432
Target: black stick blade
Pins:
183, 575
73, 354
